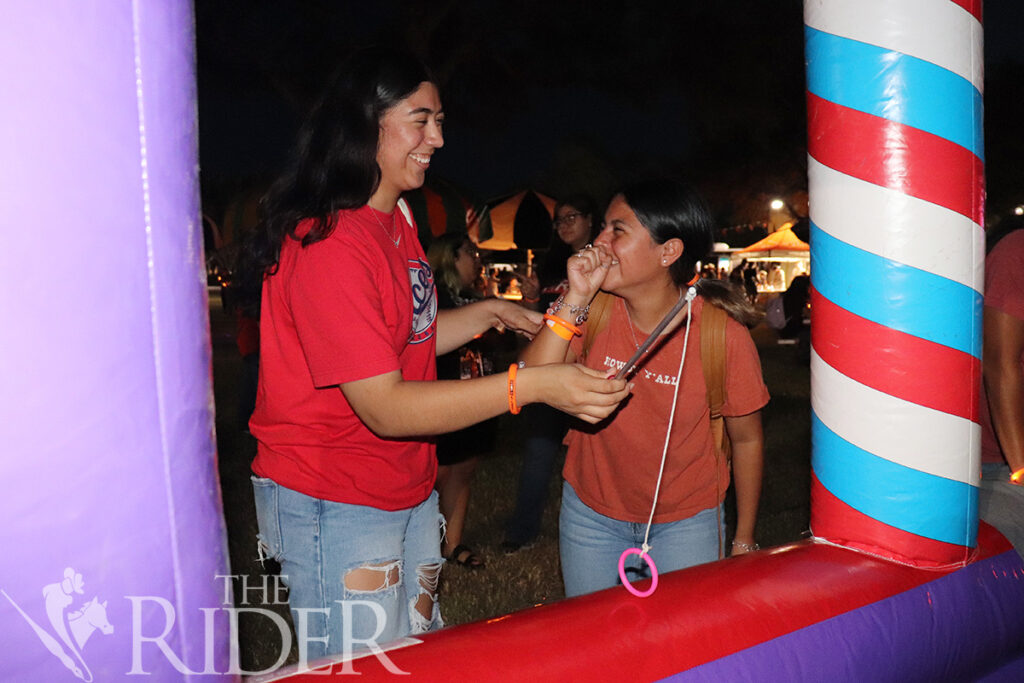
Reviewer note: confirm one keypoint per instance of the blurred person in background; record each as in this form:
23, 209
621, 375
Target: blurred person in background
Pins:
573, 228
456, 264
1001, 493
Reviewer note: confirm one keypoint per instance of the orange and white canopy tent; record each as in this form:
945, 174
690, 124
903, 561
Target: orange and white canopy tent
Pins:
519, 221
779, 243
782, 247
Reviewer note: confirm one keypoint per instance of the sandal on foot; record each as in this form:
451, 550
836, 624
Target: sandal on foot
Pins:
465, 557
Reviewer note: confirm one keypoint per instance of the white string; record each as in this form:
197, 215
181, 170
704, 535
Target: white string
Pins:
691, 294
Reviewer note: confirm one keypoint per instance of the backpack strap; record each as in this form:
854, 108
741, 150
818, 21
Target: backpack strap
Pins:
600, 314
712, 354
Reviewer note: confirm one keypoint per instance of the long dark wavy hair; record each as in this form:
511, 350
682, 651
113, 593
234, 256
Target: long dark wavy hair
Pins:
670, 209
333, 165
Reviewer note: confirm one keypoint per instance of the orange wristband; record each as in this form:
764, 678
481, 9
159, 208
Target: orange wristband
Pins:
513, 407
1016, 476
563, 328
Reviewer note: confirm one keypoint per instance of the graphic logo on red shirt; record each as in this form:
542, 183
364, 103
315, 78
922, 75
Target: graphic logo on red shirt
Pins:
424, 301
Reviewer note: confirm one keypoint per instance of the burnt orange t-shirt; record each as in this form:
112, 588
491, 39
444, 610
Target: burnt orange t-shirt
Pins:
613, 466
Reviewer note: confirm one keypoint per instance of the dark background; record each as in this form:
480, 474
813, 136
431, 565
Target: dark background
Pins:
555, 95
563, 95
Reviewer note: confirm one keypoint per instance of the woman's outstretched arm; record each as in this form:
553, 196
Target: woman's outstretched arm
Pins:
393, 407
456, 326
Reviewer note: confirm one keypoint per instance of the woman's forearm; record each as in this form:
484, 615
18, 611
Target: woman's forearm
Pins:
457, 326
1004, 382
548, 346
394, 408
747, 439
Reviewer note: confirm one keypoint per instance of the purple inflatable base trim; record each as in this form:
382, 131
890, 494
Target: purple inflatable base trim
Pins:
963, 626
1009, 673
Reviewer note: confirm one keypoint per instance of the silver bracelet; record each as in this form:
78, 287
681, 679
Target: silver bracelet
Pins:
746, 547
580, 312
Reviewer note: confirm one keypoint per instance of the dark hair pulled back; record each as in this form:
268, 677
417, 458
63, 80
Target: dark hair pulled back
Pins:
669, 210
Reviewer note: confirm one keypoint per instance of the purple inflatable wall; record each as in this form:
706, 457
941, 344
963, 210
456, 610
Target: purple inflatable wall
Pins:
112, 523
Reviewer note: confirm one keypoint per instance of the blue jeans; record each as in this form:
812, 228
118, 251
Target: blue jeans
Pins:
545, 429
995, 471
1001, 503
591, 543
318, 542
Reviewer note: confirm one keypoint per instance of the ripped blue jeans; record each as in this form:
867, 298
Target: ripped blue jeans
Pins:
347, 567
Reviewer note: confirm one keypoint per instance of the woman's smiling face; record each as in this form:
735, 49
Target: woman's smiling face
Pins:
636, 257
410, 132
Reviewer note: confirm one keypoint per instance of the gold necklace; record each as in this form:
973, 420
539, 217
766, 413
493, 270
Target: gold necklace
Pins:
394, 228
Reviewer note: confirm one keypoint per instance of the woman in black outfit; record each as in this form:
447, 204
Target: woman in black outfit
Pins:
573, 229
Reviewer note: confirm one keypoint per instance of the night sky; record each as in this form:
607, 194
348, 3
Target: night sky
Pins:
564, 96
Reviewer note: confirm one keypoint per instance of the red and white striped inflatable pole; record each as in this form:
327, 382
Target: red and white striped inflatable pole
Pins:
896, 179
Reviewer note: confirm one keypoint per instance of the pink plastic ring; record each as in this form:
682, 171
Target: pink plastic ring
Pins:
650, 563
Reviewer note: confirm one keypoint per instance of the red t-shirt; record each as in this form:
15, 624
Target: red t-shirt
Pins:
1004, 290
349, 307
248, 338
614, 467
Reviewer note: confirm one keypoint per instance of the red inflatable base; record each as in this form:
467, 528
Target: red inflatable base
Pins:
697, 616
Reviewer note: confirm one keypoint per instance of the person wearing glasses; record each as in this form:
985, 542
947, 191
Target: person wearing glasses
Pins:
348, 402
572, 229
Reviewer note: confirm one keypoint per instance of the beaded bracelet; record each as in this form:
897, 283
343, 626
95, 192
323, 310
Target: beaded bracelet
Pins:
746, 547
563, 328
513, 407
580, 313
